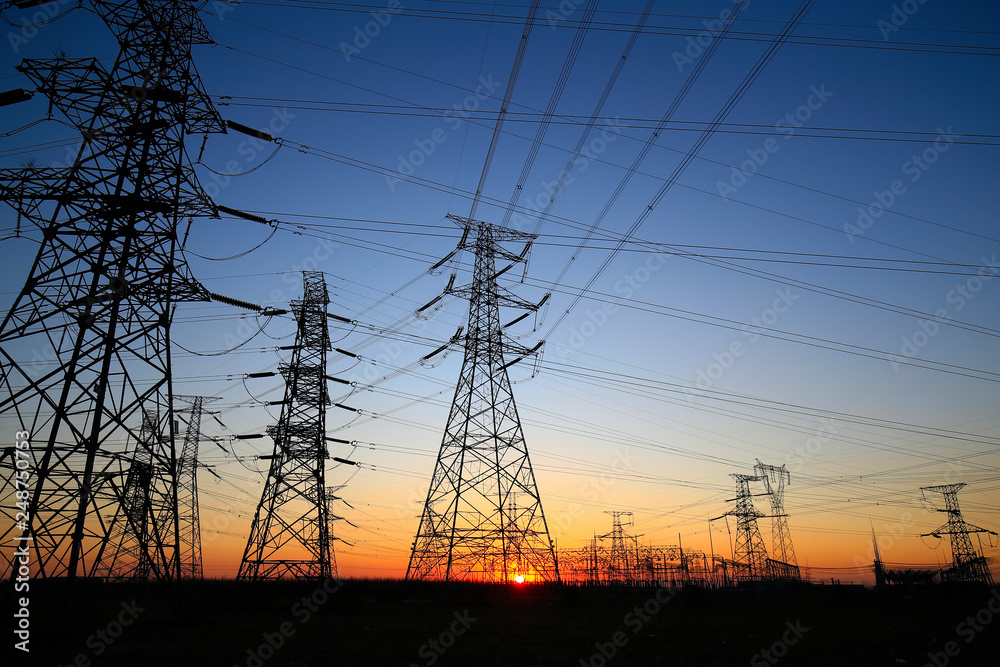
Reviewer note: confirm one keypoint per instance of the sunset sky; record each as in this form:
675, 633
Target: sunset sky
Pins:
815, 287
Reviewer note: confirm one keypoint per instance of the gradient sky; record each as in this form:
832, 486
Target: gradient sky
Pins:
652, 389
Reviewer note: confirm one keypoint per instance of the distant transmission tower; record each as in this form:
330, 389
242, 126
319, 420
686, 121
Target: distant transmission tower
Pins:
130, 557
967, 563
290, 536
483, 519
784, 565
749, 553
100, 295
187, 489
623, 559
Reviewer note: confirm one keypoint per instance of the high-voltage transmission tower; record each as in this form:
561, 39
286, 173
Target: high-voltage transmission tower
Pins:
101, 291
482, 519
187, 488
290, 535
967, 563
623, 558
132, 543
775, 478
749, 553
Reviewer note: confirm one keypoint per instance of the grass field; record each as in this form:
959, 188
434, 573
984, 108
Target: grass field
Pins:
400, 624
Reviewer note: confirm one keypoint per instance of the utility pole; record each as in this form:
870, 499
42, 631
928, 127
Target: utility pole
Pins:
290, 536
967, 564
482, 519
102, 289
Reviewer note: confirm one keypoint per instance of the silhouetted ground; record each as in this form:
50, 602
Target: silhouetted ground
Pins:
394, 624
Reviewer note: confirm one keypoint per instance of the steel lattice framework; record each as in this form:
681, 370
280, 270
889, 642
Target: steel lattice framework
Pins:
187, 488
774, 478
623, 560
100, 294
967, 563
750, 555
290, 534
482, 519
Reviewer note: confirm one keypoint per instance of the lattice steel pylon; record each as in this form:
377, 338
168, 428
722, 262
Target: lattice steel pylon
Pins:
100, 295
749, 552
289, 536
131, 528
968, 564
483, 519
189, 516
774, 479
623, 557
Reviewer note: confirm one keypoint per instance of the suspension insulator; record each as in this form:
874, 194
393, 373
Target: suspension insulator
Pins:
249, 131
236, 213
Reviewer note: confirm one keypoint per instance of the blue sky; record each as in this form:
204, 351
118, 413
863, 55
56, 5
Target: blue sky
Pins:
900, 120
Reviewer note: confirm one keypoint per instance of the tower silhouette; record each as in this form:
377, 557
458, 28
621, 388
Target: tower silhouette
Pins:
191, 566
101, 292
967, 563
749, 553
290, 533
784, 565
482, 519
623, 560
